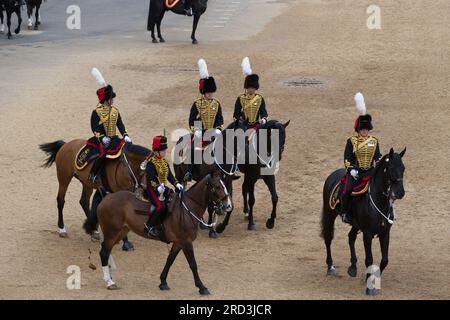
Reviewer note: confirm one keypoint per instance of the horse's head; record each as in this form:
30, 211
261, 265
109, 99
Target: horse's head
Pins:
218, 193
281, 127
395, 169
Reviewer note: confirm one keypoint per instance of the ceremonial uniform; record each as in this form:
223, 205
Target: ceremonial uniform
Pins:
251, 108
360, 156
158, 174
105, 120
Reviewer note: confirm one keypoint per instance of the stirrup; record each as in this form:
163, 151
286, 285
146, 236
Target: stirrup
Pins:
189, 12
345, 218
151, 231
92, 178
188, 176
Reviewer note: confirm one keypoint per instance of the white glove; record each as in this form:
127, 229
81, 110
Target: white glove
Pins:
354, 173
179, 187
263, 121
217, 132
198, 134
127, 139
106, 140
161, 188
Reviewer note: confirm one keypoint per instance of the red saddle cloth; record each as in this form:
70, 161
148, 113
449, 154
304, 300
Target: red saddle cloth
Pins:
362, 185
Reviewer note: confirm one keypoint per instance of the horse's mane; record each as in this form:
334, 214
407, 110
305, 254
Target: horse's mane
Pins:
138, 150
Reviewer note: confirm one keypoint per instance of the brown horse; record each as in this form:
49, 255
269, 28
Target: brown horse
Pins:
117, 172
117, 214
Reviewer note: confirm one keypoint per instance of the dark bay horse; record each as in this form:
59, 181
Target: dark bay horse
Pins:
157, 9
117, 171
116, 215
372, 213
10, 7
252, 173
201, 170
32, 5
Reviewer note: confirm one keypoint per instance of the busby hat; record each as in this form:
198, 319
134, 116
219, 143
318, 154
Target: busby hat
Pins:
106, 92
364, 121
251, 79
159, 143
206, 83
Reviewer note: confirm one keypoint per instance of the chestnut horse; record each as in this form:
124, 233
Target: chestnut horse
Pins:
117, 214
117, 172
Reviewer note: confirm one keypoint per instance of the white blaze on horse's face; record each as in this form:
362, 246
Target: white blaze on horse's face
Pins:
229, 206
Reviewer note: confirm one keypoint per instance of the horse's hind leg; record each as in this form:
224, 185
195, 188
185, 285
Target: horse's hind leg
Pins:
245, 197
2, 25
352, 270
170, 259
368, 236
270, 182
328, 218
84, 202
8, 23
188, 251
29, 13
37, 22
60, 199
251, 203
384, 243
108, 263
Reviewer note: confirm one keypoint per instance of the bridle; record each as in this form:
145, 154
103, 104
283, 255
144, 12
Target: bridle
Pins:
387, 194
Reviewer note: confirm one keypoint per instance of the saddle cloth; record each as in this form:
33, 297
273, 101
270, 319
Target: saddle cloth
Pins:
171, 3
359, 189
92, 151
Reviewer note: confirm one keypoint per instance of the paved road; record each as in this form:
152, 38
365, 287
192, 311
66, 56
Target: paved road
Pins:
129, 18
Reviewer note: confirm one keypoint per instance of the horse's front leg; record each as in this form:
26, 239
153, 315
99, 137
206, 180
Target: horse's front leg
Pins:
352, 235
2, 26
8, 24
270, 182
251, 203
19, 17
170, 259
29, 13
194, 28
212, 232
368, 236
245, 197
384, 244
37, 22
188, 251
158, 27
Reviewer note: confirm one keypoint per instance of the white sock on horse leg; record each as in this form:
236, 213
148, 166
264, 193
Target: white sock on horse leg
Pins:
107, 276
112, 263
30, 22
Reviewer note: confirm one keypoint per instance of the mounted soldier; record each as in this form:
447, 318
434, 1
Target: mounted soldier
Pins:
250, 106
158, 173
362, 151
206, 109
105, 119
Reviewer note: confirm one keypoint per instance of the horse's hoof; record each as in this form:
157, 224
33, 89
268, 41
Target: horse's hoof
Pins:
213, 234
63, 234
162, 40
194, 41
154, 41
270, 223
36, 27
95, 236
331, 271
371, 292
164, 287
17, 31
251, 227
127, 246
352, 272
204, 292
112, 287
220, 228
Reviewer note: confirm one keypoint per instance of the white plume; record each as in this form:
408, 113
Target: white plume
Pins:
203, 69
360, 104
246, 68
98, 77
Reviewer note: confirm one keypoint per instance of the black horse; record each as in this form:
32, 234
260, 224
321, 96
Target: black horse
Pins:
372, 213
31, 5
157, 9
202, 170
252, 173
11, 6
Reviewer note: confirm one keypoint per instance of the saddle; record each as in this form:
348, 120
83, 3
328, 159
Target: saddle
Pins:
144, 207
338, 189
92, 151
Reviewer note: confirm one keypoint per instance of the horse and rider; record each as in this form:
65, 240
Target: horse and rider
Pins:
363, 193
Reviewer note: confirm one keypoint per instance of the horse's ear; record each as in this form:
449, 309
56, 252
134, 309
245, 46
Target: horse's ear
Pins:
286, 124
402, 153
391, 152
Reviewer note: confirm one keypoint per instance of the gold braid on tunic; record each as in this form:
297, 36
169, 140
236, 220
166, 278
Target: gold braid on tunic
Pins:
108, 118
364, 149
162, 168
250, 106
207, 112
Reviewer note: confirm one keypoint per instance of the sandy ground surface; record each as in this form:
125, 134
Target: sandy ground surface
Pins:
403, 70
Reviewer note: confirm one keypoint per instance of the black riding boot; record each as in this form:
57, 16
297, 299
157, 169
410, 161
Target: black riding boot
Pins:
96, 167
187, 7
345, 209
150, 227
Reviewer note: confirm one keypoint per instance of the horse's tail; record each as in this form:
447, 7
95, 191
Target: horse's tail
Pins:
328, 214
51, 149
